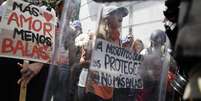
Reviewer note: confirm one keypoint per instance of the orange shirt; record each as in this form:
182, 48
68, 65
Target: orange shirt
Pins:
103, 91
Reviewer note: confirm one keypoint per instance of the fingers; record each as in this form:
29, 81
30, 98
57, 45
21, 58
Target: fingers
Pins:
27, 74
28, 71
19, 81
25, 79
20, 65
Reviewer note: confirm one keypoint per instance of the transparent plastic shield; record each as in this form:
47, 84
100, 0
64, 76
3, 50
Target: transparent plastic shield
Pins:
61, 84
113, 53
154, 70
127, 60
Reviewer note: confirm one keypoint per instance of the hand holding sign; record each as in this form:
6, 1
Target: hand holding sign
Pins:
28, 71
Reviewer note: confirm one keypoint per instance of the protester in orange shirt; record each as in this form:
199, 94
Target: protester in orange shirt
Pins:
109, 29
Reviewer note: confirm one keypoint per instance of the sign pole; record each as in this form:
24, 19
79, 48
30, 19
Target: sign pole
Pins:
23, 91
23, 87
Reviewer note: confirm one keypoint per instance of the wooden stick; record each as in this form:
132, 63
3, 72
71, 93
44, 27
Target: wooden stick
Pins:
23, 91
23, 88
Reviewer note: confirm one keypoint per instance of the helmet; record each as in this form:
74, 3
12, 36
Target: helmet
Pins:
158, 37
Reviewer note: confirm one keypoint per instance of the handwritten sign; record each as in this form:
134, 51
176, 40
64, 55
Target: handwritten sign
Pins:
27, 32
115, 66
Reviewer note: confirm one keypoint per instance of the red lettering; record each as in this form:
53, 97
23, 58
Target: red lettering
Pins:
27, 53
13, 17
43, 52
23, 20
38, 52
35, 51
19, 47
47, 28
7, 46
34, 25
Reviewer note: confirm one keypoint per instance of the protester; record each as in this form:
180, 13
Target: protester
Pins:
74, 58
83, 41
83, 76
127, 94
130, 94
129, 42
35, 86
36, 66
109, 29
138, 46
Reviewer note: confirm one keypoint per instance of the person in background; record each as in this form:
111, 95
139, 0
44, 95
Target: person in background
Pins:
151, 66
154, 58
129, 42
83, 41
127, 94
74, 56
83, 75
157, 39
138, 46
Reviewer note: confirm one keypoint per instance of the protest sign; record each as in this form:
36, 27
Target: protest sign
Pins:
27, 32
115, 66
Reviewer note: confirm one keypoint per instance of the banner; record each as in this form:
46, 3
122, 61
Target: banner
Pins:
27, 32
115, 66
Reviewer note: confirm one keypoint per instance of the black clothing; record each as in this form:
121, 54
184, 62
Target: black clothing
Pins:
10, 73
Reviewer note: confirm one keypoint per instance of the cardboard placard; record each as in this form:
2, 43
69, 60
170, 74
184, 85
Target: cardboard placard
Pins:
27, 32
115, 66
